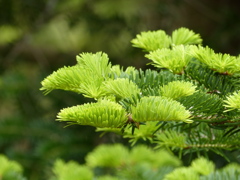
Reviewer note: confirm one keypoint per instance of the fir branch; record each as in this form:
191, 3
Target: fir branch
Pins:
176, 89
222, 63
203, 166
115, 71
152, 79
66, 78
9, 166
222, 175
171, 140
182, 173
185, 36
159, 109
199, 87
198, 139
216, 83
151, 40
126, 103
97, 63
144, 132
233, 101
71, 170
157, 158
121, 88
108, 156
201, 103
175, 59
104, 113
86, 77
75, 79
92, 85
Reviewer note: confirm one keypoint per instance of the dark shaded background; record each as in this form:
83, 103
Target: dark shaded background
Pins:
38, 37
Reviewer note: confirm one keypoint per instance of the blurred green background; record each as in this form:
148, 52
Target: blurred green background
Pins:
38, 37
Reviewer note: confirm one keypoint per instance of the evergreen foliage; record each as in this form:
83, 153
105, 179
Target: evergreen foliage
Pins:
174, 59
101, 114
189, 105
10, 170
70, 170
185, 36
222, 63
111, 162
152, 40
37, 37
193, 85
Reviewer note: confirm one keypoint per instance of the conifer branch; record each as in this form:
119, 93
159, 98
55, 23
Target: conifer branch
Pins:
222, 63
185, 36
175, 59
159, 109
104, 113
233, 101
121, 88
152, 40
189, 104
177, 89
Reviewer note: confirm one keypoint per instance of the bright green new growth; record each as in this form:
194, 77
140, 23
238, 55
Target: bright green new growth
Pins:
199, 168
116, 156
95, 63
71, 170
121, 87
159, 109
86, 77
7, 165
145, 132
171, 139
10, 169
182, 173
152, 40
104, 113
233, 101
188, 104
176, 89
203, 166
66, 78
185, 36
115, 161
175, 59
157, 158
222, 63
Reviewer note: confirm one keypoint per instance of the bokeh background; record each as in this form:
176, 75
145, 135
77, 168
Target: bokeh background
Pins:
38, 37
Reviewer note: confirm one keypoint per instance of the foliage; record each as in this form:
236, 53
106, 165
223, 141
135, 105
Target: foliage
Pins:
232, 101
147, 40
159, 109
192, 113
115, 161
70, 170
110, 162
100, 114
37, 37
222, 63
174, 59
10, 170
